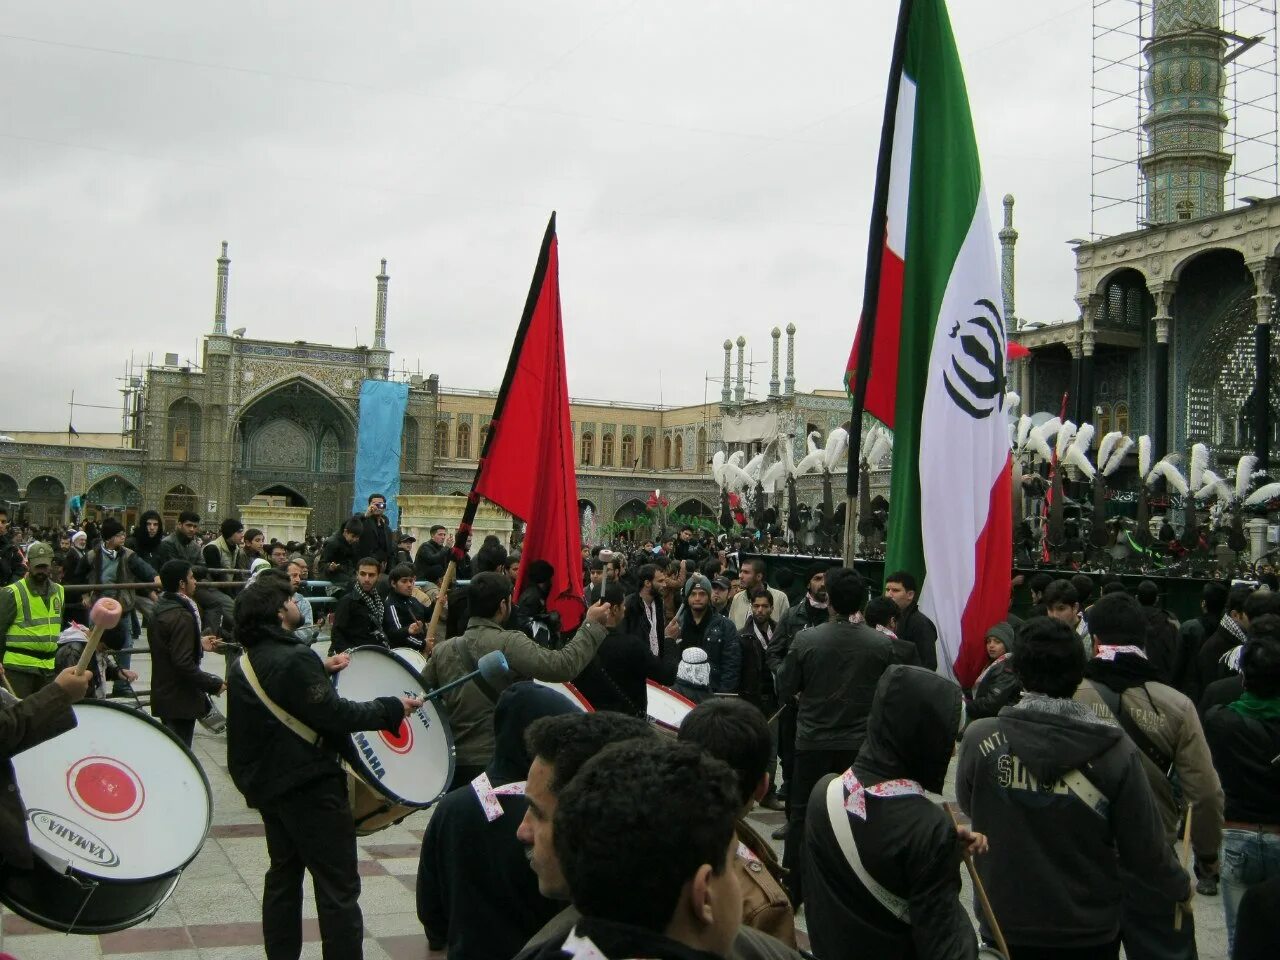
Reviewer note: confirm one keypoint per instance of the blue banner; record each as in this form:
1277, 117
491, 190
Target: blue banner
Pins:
382, 407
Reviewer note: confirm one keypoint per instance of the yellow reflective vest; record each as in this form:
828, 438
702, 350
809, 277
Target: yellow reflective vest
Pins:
32, 640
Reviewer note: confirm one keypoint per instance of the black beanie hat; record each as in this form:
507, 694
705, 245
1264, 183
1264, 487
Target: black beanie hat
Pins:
110, 527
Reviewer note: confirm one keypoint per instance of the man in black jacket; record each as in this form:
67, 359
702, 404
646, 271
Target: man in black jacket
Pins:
643, 611
184, 544
338, 555
433, 555
1063, 798
812, 611
377, 540
180, 690
475, 890
615, 679
296, 784
901, 588
359, 615
405, 619
906, 844
834, 669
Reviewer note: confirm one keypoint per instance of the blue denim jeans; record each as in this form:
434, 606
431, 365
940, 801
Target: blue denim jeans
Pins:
1248, 858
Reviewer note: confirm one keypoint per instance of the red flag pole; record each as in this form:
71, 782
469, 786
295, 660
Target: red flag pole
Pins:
495, 424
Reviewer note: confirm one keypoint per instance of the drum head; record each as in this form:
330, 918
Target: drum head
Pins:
415, 765
415, 661
118, 798
570, 692
666, 708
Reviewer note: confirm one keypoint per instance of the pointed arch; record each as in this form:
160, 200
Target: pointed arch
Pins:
678, 454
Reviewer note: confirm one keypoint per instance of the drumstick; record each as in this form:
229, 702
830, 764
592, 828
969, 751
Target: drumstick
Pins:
9, 686
1185, 859
981, 891
445, 581
105, 614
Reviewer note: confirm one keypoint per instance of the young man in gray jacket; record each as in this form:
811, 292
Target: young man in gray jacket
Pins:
1062, 797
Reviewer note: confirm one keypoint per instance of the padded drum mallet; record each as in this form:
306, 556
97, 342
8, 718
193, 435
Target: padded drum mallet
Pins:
106, 613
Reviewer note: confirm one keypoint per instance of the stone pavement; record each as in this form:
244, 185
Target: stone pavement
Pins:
215, 912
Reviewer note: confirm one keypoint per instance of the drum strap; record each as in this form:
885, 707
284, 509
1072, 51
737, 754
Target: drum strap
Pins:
277, 711
839, 818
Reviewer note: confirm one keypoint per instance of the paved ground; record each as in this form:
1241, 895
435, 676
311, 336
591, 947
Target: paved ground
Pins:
214, 914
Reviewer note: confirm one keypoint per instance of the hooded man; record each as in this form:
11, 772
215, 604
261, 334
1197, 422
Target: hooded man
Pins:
904, 843
146, 537
475, 889
1063, 798
997, 686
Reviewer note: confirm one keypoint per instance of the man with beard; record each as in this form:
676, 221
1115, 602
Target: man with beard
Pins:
146, 538
643, 612
812, 611
1121, 684
751, 574
30, 622
291, 775
615, 677
898, 894
756, 685
358, 617
377, 540
184, 544
697, 625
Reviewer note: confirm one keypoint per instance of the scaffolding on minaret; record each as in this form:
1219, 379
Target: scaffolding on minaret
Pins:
1158, 151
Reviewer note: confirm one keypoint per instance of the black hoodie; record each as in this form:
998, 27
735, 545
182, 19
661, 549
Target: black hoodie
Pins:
475, 887
1053, 870
143, 545
907, 843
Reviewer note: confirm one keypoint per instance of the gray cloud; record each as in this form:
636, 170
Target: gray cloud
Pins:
711, 163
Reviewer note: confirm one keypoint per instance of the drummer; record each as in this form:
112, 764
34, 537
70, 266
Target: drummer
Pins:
23, 724
405, 619
295, 783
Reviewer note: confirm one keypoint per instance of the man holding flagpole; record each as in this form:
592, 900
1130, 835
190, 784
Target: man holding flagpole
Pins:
929, 356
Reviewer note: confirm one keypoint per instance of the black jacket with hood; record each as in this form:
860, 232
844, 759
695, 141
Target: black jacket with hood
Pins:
1045, 838
907, 844
144, 546
475, 889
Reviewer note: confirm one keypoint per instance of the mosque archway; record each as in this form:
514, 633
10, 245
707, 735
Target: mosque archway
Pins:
693, 507
8, 492
46, 501
292, 498
113, 496
177, 500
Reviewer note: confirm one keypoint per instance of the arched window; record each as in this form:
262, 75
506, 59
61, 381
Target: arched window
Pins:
628, 451
484, 438
646, 453
463, 446
442, 439
606, 450
1184, 208
1122, 418
666, 453
184, 430
1103, 426
679, 452
409, 446
703, 459
588, 449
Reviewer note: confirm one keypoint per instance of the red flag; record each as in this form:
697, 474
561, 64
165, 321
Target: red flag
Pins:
527, 465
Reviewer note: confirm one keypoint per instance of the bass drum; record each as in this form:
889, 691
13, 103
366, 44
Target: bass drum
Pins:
393, 774
569, 692
116, 809
666, 708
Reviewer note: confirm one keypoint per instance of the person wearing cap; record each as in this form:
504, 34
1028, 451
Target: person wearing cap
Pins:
997, 686
30, 622
404, 550
697, 625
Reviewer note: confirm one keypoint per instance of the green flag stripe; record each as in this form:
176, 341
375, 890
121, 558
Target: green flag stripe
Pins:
946, 183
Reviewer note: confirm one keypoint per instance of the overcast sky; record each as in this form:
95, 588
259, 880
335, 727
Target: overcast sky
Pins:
711, 163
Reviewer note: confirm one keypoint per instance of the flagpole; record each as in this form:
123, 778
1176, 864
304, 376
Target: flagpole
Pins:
513, 362
871, 286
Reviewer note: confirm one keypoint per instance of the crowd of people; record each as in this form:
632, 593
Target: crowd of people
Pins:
1100, 733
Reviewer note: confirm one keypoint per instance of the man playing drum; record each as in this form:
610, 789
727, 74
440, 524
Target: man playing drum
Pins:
279, 698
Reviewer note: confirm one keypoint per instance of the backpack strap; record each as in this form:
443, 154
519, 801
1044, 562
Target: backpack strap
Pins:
277, 711
1163, 762
839, 818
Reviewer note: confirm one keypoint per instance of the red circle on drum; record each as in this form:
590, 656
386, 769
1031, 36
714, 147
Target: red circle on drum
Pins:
402, 740
105, 788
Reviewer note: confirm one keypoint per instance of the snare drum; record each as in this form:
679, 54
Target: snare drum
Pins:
570, 692
666, 708
393, 774
116, 808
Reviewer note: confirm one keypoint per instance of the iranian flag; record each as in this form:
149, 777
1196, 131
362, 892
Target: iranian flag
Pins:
929, 356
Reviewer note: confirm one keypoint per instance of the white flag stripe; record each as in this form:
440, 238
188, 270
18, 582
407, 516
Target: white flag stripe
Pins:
900, 167
960, 457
